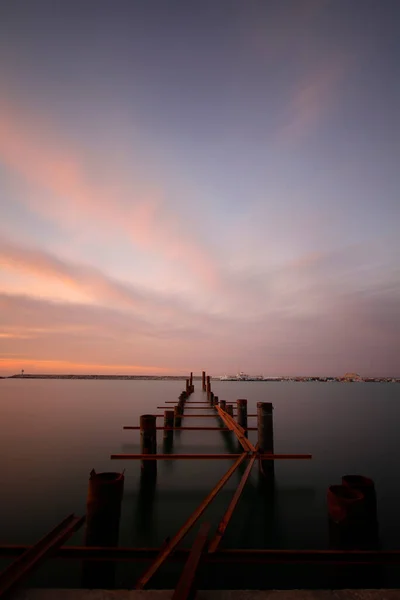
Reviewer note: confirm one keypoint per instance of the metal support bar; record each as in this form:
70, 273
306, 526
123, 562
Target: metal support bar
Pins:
229, 512
207, 456
185, 585
205, 428
235, 555
172, 544
32, 557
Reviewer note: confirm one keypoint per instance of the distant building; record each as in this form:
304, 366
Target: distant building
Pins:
351, 377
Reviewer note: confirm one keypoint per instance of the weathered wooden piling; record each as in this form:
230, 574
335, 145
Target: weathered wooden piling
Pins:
178, 415
222, 404
187, 387
203, 381
103, 512
208, 386
242, 412
212, 398
191, 378
229, 409
216, 401
148, 435
168, 422
265, 435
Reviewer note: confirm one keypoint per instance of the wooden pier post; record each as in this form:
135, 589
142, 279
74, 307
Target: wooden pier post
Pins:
216, 400
266, 435
191, 378
168, 422
242, 413
212, 398
222, 404
229, 409
148, 435
103, 512
178, 415
203, 381
208, 386
187, 387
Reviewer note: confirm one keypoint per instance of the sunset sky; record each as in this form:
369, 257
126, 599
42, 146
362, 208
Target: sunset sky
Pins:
200, 184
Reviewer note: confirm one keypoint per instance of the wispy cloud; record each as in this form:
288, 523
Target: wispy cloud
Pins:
118, 205
314, 96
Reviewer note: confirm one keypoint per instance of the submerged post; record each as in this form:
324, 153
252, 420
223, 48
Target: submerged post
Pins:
168, 422
177, 415
265, 435
242, 413
148, 434
208, 386
203, 381
103, 511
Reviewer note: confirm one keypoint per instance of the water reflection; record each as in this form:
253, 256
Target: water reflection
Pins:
144, 523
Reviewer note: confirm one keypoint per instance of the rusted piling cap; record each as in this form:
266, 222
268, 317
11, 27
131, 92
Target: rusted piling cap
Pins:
265, 407
147, 422
344, 502
105, 488
367, 487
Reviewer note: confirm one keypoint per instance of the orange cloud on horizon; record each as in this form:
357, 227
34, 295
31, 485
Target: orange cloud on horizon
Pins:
34, 366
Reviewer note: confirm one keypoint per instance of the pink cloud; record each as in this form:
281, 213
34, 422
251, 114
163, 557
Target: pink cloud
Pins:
118, 206
313, 98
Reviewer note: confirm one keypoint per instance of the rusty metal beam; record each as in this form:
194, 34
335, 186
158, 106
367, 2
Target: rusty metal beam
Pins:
232, 505
32, 557
235, 555
173, 543
205, 428
173, 456
185, 586
207, 456
209, 407
239, 432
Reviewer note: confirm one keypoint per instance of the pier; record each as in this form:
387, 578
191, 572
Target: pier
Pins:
351, 505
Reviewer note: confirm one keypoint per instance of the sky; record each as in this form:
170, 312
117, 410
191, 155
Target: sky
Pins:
200, 184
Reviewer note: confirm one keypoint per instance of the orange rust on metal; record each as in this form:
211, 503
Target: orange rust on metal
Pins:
185, 585
173, 543
205, 428
234, 555
173, 456
239, 432
191, 407
207, 456
229, 512
31, 558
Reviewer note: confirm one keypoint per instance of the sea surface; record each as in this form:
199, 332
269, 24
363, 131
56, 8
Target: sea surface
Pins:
53, 432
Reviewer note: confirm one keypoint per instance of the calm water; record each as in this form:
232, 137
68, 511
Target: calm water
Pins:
55, 432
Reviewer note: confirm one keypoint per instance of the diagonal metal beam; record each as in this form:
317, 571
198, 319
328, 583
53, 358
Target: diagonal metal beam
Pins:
233, 503
172, 544
12, 575
185, 585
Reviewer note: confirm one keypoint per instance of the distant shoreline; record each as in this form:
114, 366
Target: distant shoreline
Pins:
198, 378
